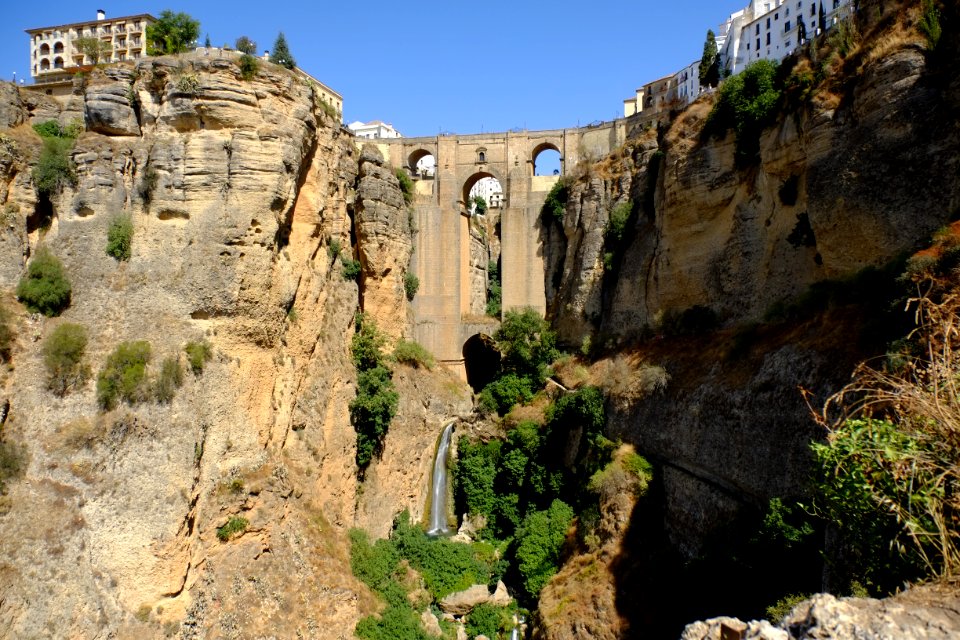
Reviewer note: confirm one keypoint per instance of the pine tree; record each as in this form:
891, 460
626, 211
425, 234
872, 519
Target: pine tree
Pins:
206, 41
281, 53
801, 31
822, 18
710, 62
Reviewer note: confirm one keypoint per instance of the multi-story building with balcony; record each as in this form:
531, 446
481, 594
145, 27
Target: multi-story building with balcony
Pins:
771, 29
55, 54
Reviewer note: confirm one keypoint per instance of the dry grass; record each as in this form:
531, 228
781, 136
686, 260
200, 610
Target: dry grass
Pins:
627, 379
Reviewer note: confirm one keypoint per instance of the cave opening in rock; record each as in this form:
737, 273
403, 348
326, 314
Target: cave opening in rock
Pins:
481, 360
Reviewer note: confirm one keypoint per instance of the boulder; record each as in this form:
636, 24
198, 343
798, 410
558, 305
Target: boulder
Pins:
463, 602
430, 623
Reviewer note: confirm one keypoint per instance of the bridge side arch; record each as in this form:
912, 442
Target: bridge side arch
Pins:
547, 145
474, 178
418, 154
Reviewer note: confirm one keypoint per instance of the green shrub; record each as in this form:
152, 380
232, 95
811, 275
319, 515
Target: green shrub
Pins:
54, 169
527, 345
187, 83
333, 249
413, 353
617, 223
406, 185
63, 352
376, 401
198, 354
501, 394
639, 466
7, 336
778, 611
351, 268
249, 66
124, 375
45, 288
411, 284
328, 109
929, 24
747, 103
488, 620
479, 205
118, 237
494, 290
371, 412
555, 203
48, 129
168, 380
540, 539
233, 528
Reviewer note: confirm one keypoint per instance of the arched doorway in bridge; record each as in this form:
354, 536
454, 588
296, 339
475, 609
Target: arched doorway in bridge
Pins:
422, 164
546, 160
483, 185
481, 360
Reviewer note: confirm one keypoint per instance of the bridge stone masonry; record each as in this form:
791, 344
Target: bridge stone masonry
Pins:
445, 313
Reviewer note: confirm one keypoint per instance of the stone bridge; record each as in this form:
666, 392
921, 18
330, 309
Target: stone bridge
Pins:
446, 310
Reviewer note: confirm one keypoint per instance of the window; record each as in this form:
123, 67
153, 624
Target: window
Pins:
748, 46
788, 44
758, 28
776, 16
482, 157
787, 12
786, 26
758, 46
768, 39
799, 6
813, 9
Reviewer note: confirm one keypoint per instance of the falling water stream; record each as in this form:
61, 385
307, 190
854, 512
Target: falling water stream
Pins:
438, 495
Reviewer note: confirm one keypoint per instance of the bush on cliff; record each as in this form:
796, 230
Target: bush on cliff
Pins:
45, 288
376, 402
124, 375
62, 355
119, 236
54, 169
747, 103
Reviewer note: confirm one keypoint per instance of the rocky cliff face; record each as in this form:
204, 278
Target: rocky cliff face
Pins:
236, 191
848, 182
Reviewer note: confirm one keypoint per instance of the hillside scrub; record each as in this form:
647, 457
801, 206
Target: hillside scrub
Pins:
376, 402
63, 352
892, 456
119, 236
45, 288
124, 375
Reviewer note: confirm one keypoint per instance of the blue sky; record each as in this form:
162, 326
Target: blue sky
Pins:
428, 66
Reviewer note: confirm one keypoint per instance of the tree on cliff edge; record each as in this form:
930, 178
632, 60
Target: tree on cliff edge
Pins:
172, 33
281, 53
710, 62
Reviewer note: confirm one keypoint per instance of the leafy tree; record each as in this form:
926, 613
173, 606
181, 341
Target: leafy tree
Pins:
54, 169
62, 355
119, 236
747, 103
710, 62
539, 541
281, 53
504, 392
245, 45
371, 412
171, 33
479, 205
45, 288
94, 48
527, 344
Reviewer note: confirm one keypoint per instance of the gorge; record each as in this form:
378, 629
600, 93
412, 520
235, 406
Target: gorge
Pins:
706, 304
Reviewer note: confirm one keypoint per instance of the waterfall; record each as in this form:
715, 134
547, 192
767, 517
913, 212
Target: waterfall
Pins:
438, 495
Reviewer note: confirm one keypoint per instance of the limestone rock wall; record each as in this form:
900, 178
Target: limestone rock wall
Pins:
236, 190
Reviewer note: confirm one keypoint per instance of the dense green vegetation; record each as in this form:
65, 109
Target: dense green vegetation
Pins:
54, 169
376, 402
249, 66
747, 103
168, 380
45, 288
406, 185
444, 566
119, 236
556, 201
124, 375
494, 289
63, 352
411, 284
171, 33
233, 528
351, 268
527, 346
